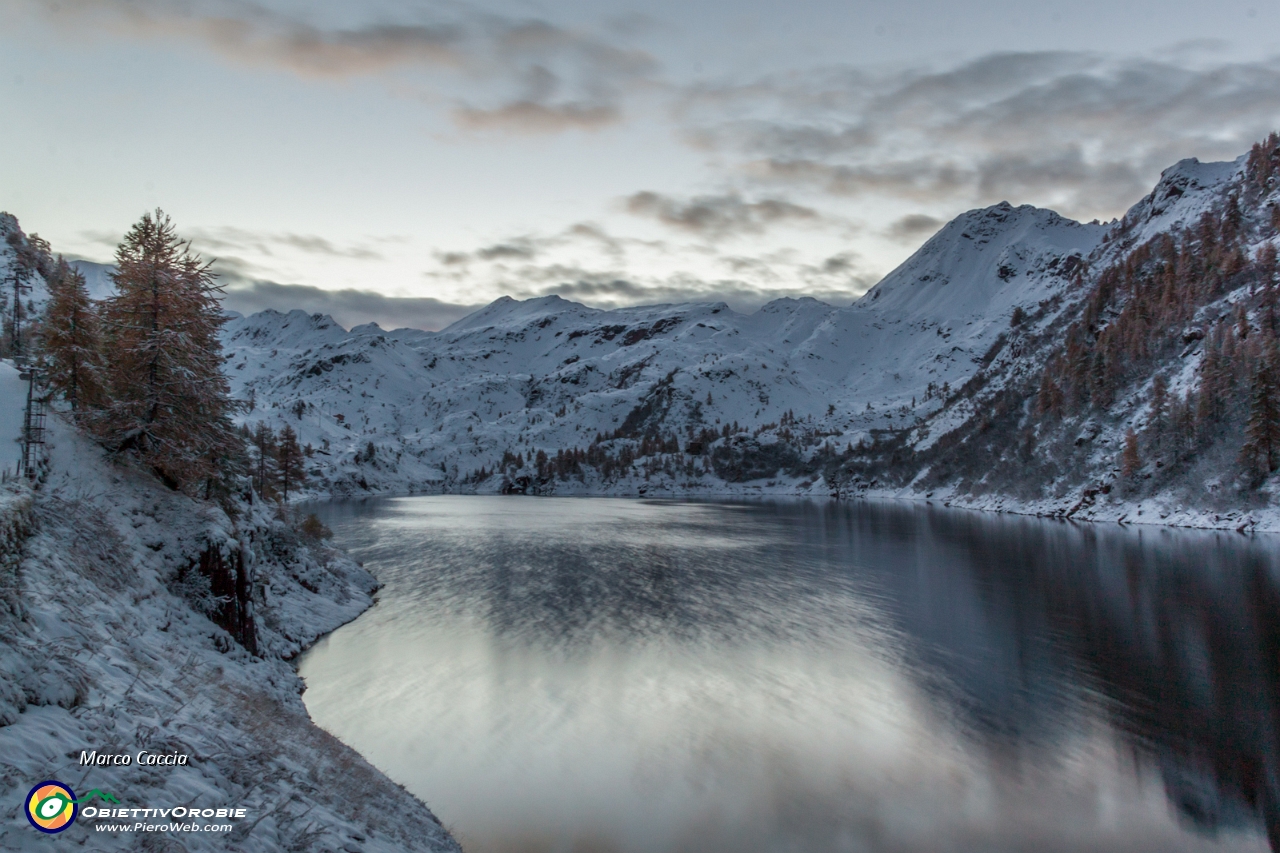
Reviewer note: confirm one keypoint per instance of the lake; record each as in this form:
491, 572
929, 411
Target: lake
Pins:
560, 675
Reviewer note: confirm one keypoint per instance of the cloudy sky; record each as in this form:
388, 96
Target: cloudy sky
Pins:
403, 161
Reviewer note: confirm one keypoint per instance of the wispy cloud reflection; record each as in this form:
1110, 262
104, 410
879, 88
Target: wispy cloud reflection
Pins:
607, 675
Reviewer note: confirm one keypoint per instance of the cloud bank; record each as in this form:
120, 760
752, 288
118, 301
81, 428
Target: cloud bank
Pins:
350, 307
1085, 133
719, 216
497, 72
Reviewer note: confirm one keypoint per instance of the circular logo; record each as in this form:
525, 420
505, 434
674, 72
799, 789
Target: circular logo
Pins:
51, 806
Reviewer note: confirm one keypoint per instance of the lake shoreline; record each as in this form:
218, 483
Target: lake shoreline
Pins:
1152, 512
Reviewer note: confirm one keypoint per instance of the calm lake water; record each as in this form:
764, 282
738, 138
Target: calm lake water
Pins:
582, 676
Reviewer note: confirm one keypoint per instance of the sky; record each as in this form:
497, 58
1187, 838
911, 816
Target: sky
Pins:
405, 162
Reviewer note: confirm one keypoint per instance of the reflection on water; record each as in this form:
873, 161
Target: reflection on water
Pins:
605, 675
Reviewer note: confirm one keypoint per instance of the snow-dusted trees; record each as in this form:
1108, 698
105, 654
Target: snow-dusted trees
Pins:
167, 398
1261, 452
26, 257
1130, 460
69, 336
264, 449
290, 461
277, 461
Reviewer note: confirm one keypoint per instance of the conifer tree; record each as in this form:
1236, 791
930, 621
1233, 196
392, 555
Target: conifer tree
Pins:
27, 257
1261, 452
1213, 382
1267, 266
1159, 401
266, 471
290, 461
70, 338
1158, 417
168, 400
1130, 461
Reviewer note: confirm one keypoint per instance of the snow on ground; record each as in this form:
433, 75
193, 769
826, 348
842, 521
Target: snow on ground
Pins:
13, 397
102, 648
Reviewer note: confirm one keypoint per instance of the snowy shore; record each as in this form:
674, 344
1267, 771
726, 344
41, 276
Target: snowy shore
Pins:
1094, 506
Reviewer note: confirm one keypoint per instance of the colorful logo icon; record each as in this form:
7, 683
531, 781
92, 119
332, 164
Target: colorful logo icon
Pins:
51, 806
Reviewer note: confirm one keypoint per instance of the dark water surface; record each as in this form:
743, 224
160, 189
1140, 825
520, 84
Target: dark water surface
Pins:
581, 676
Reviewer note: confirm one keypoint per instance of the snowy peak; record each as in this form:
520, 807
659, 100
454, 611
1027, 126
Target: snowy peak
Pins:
1185, 191
982, 260
97, 278
297, 328
507, 312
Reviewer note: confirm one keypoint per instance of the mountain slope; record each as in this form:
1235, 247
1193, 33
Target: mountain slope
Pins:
1002, 365
1152, 395
118, 635
548, 374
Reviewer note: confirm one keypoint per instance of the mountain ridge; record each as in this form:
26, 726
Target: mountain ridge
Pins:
983, 324
798, 382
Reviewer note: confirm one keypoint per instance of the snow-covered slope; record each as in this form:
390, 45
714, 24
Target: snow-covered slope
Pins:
106, 645
551, 374
1185, 190
933, 318
97, 278
12, 390
1130, 400
549, 395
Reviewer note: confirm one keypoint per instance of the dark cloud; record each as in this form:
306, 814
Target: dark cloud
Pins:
596, 235
454, 258
750, 282
841, 264
719, 216
232, 239
106, 239
621, 273
522, 249
533, 117
517, 74
923, 179
739, 295
527, 247
913, 227
238, 240
1084, 133
350, 307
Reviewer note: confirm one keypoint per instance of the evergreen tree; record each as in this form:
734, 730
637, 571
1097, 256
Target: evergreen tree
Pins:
1159, 401
70, 338
1267, 268
168, 400
1130, 461
1182, 417
1213, 382
27, 257
1158, 419
290, 461
266, 471
1261, 452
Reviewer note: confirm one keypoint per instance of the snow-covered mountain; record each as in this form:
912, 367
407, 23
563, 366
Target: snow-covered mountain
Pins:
1003, 365
1149, 394
549, 374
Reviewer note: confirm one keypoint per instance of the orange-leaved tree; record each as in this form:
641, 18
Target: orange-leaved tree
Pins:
168, 400
70, 338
